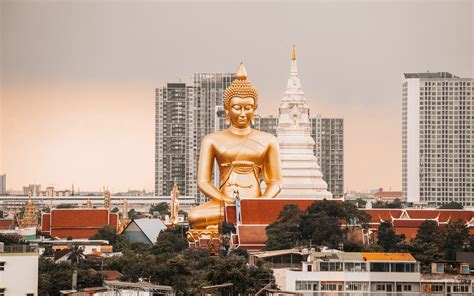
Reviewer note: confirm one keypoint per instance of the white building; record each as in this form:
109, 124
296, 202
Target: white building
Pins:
18, 270
301, 172
351, 274
437, 138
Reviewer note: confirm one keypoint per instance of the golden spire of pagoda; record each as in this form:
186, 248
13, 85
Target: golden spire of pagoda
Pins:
29, 218
293, 53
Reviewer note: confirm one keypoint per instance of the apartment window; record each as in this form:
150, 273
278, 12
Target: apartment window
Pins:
355, 266
437, 288
406, 287
2, 291
330, 266
330, 287
380, 287
307, 285
380, 267
2, 266
404, 267
461, 288
30, 294
357, 286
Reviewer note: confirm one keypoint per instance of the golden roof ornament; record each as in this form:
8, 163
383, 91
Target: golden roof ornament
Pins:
241, 87
29, 215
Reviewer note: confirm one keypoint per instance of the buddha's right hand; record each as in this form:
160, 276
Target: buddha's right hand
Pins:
227, 199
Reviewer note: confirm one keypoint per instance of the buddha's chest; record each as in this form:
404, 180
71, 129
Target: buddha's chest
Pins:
246, 149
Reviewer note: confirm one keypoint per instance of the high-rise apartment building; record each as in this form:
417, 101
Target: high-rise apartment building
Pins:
3, 184
437, 138
267, 124
184, 115
175, 141
331, 138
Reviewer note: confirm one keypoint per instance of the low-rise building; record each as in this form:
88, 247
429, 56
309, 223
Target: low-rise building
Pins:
354, 274
388, 196
144, 230
18, 270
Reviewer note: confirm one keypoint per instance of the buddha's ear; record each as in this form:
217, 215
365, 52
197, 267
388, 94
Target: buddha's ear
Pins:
227, 118
252, 120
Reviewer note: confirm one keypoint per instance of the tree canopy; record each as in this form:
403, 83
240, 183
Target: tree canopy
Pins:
319, 224
452, 205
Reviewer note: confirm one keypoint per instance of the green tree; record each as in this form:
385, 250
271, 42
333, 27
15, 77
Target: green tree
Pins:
170, 241
110, 234
456, 238
388, 239
452, 205
234, 269
12, 240
361, 203
115, 210
132, 214
321, 229
427, 246
284, 232
162, 208
77, 255
395, 204
429, 232
53, 278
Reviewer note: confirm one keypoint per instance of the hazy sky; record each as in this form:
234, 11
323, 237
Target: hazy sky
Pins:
78, 77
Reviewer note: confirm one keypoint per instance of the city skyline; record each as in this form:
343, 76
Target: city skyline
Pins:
78, 91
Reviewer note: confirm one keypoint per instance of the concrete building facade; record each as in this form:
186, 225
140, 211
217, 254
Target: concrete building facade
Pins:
437, 147
331, 139
3, 184
184, 114
175, 141
18, 270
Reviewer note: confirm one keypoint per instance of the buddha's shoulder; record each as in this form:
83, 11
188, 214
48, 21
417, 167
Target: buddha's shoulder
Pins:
262, 135
212, 137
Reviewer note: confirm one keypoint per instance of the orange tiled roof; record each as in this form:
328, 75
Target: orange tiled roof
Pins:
383, 214
388, 256
7, 223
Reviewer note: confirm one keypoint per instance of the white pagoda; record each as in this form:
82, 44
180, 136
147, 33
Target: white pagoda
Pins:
302, 177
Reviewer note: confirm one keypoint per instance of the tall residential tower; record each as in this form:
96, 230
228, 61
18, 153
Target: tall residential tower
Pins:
437, 138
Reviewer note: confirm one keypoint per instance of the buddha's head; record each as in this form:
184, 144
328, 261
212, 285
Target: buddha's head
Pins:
240, 100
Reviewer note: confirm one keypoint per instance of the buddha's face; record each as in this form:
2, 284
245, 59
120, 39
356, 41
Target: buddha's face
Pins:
241, 111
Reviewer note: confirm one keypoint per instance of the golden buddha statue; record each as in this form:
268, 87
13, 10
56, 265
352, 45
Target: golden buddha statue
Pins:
244, 157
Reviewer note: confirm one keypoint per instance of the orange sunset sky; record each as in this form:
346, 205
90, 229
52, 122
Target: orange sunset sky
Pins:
78, 78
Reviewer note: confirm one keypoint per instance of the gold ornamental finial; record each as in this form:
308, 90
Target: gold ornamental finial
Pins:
241, 72
293, 53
